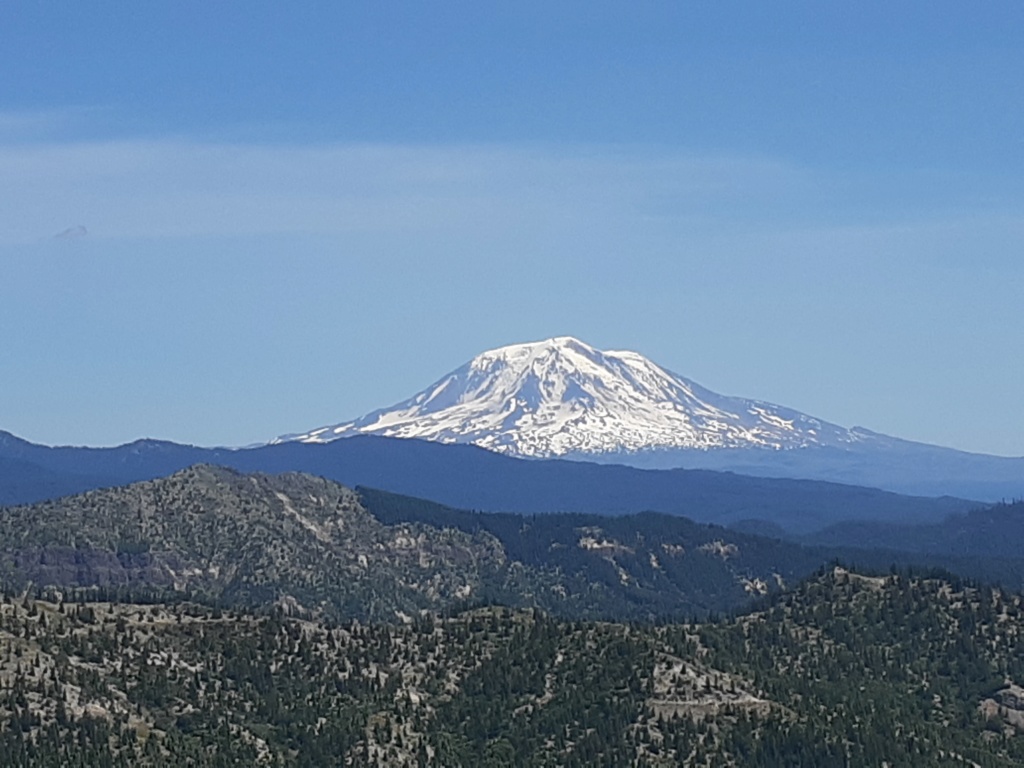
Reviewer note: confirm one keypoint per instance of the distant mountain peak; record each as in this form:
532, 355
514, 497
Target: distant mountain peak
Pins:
561, 396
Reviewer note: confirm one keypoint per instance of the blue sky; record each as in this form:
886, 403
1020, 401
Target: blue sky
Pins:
295, 213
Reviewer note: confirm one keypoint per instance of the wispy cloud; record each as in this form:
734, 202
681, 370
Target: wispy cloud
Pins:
478, 196
18, 125
134, 189
31, 126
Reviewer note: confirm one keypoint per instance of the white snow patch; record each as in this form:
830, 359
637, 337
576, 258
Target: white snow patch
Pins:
561, 396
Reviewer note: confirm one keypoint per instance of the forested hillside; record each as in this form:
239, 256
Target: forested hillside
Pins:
316, 548
845, 670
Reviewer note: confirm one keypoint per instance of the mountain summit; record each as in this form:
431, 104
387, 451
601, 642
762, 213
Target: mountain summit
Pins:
563, 397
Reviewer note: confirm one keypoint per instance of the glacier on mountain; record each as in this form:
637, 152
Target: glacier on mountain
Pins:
562, 397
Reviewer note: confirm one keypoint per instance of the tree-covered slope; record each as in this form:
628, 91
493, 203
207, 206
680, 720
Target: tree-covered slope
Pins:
906, 670
844, 670
298, 540
981, 546
994, 531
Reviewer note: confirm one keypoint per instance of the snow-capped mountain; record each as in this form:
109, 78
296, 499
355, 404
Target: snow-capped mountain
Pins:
562, 397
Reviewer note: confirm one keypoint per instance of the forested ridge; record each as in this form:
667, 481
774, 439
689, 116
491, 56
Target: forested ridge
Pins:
330, 553
846, 669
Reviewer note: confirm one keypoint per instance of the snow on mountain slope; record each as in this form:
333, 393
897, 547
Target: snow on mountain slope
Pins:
561, 396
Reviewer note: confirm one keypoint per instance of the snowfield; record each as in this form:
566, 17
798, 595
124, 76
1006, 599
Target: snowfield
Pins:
561, 396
